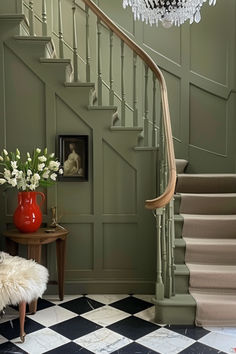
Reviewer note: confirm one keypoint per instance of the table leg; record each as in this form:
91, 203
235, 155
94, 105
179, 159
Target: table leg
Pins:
34, 252
12, 247
61, 257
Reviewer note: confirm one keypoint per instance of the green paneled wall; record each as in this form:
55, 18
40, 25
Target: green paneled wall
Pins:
111, 243
198, 62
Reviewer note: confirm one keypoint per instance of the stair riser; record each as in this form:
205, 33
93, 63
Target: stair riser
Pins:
179, 254
204, 184
177, 315
214, 281
179, 228
60, 72
181, 284
208, 205
84, 94
34, 49
200, 254
9, 28
197, 228
177, 202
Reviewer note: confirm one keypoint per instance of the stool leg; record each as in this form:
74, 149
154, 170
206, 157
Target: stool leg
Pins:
33, 307
22, 308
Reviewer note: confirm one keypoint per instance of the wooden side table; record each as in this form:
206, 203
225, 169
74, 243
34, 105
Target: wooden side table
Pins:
34, 242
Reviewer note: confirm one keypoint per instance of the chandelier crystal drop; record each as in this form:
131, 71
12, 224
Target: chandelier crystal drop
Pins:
168, 12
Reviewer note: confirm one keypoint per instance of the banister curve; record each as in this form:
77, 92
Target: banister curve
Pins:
167, 195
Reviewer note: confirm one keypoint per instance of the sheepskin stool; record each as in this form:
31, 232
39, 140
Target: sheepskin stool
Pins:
21, 281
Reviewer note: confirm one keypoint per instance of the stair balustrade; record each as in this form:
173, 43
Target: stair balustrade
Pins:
119, 83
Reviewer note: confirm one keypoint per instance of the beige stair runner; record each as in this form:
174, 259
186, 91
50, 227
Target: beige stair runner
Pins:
208, 206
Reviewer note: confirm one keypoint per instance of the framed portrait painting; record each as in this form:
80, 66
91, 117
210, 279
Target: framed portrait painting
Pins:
73, 156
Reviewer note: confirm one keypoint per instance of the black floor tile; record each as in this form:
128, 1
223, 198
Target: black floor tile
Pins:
9, 332
199, 348
10, 348
134, 348
133, 327
69, 348
189, 331
131, 305
44, 304
75, 327
81, 305
41, 305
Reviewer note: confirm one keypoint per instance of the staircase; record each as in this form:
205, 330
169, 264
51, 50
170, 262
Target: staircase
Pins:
205, 245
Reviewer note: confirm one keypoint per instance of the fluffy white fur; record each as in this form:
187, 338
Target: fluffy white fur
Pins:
20, 280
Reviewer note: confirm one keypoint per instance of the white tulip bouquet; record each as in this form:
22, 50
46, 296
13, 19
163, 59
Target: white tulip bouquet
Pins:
39, 169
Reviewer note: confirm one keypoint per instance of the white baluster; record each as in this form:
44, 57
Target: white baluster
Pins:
111, 91
99, 63
87, 45
60, 31
44, 18
135, 109
31, 18
146, 107
154, 112
122, 85
75, 43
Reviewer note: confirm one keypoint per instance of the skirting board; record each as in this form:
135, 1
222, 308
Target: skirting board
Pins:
104, 287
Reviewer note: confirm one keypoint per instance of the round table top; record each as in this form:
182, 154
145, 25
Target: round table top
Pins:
40, 233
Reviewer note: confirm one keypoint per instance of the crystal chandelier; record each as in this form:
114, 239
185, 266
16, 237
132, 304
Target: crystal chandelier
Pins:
169, 12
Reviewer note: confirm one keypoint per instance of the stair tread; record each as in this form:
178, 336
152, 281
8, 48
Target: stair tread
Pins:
210, 241
33, 38
180, 165
185, 300
206, 195
212, 268
79, 84
120, 128
209, 217
181, 269
12, 17
178, 217
206, 175
55, 60
112, 108
179, 242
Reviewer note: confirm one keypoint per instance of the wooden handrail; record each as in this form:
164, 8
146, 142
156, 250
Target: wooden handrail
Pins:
165, 198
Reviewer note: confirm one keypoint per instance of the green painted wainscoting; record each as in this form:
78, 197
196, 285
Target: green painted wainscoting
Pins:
199, 63
111, 246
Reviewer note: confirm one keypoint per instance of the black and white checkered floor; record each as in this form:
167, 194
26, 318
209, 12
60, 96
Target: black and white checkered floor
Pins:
103, 324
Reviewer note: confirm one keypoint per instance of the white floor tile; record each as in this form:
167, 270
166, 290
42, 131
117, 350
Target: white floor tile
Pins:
52, 315
41, 341
231, 331
148, 314
2, 339
107, 299
224, 342
55, 299
105, 316
103, 341
165, 341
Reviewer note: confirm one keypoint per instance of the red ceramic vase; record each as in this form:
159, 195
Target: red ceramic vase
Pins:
28, 216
